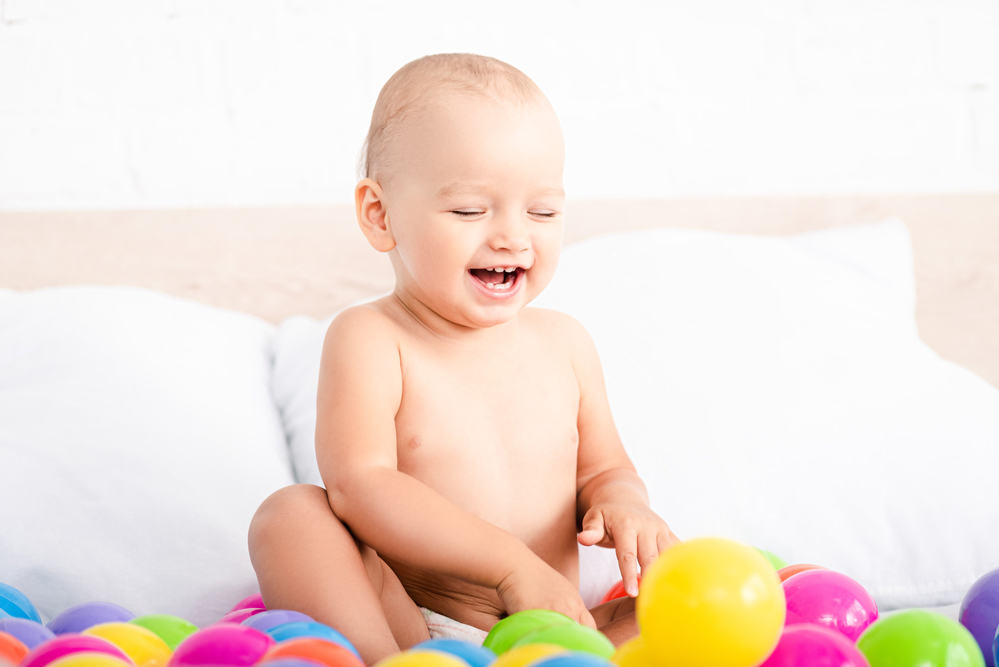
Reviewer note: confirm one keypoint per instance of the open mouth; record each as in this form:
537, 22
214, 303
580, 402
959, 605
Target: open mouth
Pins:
497, 280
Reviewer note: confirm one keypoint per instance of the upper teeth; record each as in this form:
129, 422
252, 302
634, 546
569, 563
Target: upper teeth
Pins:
501, 269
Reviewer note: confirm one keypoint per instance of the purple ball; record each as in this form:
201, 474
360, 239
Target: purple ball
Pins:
266, 620
88, 614
980, 613
31, 633
223, 644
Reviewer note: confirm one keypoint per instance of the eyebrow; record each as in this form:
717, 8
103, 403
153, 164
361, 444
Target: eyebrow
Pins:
459, 187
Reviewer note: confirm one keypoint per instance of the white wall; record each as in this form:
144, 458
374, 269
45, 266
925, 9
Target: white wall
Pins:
147, 103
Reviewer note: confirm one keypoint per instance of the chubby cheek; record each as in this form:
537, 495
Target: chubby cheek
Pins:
546, 261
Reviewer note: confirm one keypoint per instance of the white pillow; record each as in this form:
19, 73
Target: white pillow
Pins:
772, 390
137, 438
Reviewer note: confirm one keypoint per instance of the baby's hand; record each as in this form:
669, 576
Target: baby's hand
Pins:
633, 530
537, 585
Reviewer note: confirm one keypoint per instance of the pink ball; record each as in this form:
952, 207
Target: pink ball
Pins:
224, 644
63, 645
830, 599
815, 646
239, 615
255, 601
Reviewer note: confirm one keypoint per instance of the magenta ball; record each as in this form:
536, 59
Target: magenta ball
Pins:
239, 615
830, 599
66, 644
814, 646
222, 644
255, 601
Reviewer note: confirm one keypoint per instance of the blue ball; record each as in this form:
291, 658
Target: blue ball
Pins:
476, 656
573, 659
280, 633
15, 604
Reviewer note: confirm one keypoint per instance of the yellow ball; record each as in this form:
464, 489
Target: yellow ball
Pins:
144, 647
421, 658
710, 602
632, 653
521, 656
88, 659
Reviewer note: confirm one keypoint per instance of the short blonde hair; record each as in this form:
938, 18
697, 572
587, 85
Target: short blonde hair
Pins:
413, 86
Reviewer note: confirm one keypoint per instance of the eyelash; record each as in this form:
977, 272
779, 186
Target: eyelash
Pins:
471, 213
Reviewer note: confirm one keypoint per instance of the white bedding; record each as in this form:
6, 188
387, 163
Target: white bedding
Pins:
138, 432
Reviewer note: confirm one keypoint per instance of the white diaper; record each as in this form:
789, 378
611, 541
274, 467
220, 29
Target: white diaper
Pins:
442, 627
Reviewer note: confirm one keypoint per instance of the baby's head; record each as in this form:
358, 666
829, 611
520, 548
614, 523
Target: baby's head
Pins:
462, 172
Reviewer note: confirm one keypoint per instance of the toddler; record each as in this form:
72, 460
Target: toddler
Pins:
463, 437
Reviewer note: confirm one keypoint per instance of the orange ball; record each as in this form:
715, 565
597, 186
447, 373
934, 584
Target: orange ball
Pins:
317, 650
12, 649
791, 570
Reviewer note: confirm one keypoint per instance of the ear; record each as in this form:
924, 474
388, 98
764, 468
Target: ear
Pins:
372, 216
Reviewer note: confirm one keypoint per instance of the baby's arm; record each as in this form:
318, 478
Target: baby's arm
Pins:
400, 517
611, 502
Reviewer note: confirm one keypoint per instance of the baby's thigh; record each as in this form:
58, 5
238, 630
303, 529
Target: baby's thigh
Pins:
404, 617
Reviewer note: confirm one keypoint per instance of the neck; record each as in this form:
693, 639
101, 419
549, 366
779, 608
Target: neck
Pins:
440, 327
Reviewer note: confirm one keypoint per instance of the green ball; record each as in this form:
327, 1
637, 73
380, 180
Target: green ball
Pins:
508, 631
572, 636
774, 559
918, 638
171, 629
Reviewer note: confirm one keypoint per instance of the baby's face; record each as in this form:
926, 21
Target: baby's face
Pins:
475, 206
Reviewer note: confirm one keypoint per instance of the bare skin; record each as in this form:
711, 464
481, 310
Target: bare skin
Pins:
465, 440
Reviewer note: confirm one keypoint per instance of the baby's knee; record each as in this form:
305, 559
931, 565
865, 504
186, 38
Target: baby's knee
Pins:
284, 507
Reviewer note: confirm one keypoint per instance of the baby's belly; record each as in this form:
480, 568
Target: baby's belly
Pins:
533, 500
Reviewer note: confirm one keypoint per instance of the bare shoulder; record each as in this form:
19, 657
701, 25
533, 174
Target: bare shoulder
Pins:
362, 343
364, 322
563, 330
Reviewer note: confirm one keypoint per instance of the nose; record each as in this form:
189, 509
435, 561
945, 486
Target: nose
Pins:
509, 231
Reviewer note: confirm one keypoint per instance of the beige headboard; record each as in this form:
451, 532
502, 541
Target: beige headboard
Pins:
277, 262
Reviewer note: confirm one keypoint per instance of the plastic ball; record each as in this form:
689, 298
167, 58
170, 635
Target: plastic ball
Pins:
571, 660
266, 620
32, 633
710, 601
171, 629
632, 653
12, 649
791, 570
614, 592
508, 631
773, 558
281, 633
829, 598
255, 601
222, 644
918, 638
64, 645
240, 615
527, 655
82, 616
88, 659
288, 662
321, 651
980, 613
814, 646
475, 656
16, 604
421, 658
144, 647
572, 636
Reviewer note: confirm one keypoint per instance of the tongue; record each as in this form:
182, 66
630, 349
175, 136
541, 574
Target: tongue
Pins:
487, 276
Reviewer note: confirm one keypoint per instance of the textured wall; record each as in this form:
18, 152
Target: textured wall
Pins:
129, 103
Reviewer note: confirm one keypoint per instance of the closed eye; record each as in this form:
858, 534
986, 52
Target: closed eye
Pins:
545, 214
467, 212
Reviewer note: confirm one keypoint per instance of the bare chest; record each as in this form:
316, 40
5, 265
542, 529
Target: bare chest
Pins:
495, 434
